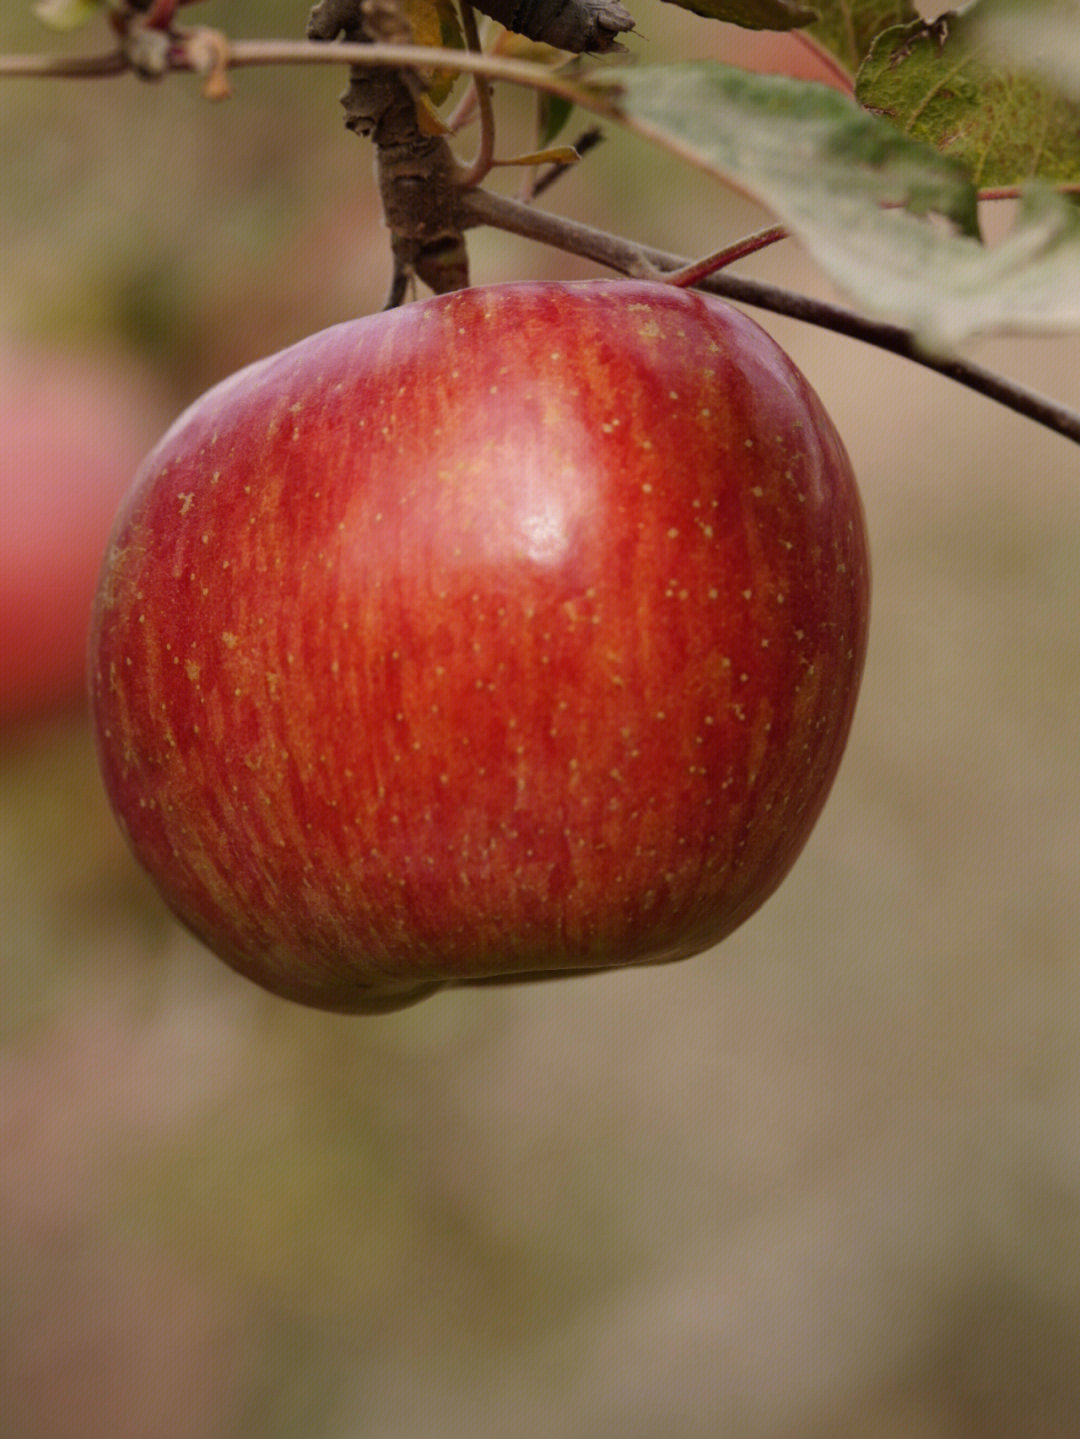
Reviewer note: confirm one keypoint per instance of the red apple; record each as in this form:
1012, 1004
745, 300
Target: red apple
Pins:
72, 431
772, 52
513, 632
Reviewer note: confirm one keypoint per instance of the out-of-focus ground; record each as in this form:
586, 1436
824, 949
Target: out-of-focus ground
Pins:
821, 1183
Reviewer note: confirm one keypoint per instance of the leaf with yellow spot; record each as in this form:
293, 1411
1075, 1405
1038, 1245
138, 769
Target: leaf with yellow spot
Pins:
429, 119
436, 23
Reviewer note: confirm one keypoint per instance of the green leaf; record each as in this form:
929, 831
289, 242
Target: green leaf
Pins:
754, 14
435, 23
795, 145
836, 177
66, 14
952, 91
847, 28
948, 289
553, 111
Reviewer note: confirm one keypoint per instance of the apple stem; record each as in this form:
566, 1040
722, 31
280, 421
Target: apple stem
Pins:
689, 275
418, 175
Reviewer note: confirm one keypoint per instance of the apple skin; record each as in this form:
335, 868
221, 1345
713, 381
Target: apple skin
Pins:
511, 633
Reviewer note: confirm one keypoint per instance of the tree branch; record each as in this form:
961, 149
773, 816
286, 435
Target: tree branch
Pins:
64, 67
246, 53
417, 172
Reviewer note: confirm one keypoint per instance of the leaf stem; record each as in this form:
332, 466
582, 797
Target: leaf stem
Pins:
480, 166
693, 273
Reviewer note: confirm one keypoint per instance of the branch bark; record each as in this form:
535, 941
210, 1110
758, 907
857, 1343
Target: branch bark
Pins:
416, 171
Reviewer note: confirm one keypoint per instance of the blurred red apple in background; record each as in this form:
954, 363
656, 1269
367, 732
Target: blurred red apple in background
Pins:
777, 52
513, 632
73, 428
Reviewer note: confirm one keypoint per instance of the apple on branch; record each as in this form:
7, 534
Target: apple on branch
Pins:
510, 633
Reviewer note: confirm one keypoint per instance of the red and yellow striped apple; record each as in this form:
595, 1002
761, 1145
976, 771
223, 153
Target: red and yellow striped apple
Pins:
511, 633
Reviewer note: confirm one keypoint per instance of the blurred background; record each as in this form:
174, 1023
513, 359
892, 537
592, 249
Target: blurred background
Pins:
821, 1182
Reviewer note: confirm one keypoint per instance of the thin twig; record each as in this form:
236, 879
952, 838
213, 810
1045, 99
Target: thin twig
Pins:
691, 275
480, 166
63, 67
761, 239
259, 53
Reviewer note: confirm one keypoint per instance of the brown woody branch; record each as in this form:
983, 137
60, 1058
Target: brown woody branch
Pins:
416, 171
